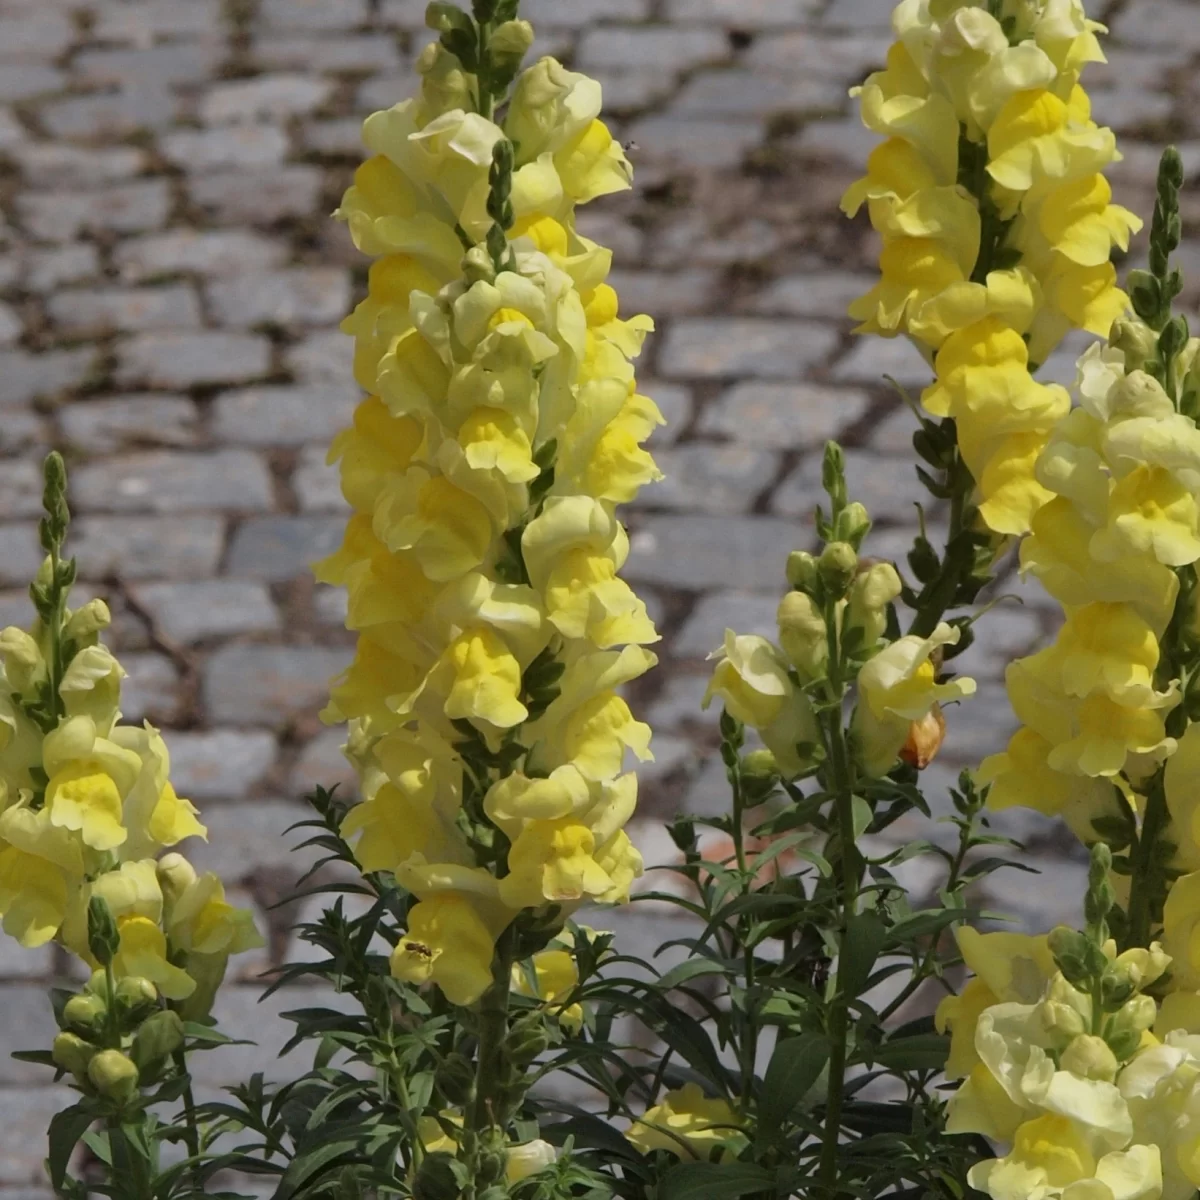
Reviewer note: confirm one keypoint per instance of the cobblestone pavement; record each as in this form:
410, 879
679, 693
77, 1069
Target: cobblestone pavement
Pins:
170, 286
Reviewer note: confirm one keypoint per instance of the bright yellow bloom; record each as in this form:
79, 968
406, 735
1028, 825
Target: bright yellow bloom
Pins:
689, 1125
554, 976
447, 943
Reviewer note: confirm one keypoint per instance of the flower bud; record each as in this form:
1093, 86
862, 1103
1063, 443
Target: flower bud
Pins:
175, 876
853, 524
1073, 953
88, 620
134, 996
1116, 987
523, 1161
803, 635
84, 1013
454, 1079
477, 265
837, 567
1144, 966
509, 44
442, 17
1136, 340
437, 1178
444, 84
760, 766
1089, 1057
801, 571
158, 1036
102, 935
867, 603
113, 1074
1137, 1014
1066, 1013
72, 1053
925, 738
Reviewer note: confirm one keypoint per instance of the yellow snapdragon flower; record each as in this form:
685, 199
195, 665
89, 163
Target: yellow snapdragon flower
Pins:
689, 1125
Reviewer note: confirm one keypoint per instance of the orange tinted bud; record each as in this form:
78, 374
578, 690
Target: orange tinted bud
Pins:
925, 739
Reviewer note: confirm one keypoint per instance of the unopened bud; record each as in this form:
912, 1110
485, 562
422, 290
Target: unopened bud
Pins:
1073, 953
455, 1079
1136, 340
158, 1036
1116, 987
803, 635
1138, 1014
522, 1161
853, 524
801, 570
103, 938
437, 1178
1066, 1012
84, 1013
837, 567
134, 996
88, 620
925, 738
113, 1074
477, 265
445, 18
867, 603
175, 875
510, 41
760, 766
1144, 966
72, 1053
1089, 1057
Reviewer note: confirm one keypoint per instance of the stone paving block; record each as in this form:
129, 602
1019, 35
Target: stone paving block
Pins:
746, 92
316, 482
322, 764
176, 547
887, 486
689, 143
664, 293
848, 57
383, 91
298, 296
871, 358
168, 63
355, 54
11, 327
624, 239
142, 22
22, 432
313, 14
122, 208
682, 693
201, 252
20, 487
41, 35
127, 310
340, 138
20, 554
249, 145
50, 268
259, 197
111, 115
24, 81
1169, 24
1131, 109
844, 140
325, 357
17, 961
675, 404
114, 423
741, 611
742, 14
27, 1114
151, 691
193, 612
270, 685
659, 48
582, 14
706, 348
280, 548
25, 377
812, 294
248, 838
270, 97
182, 360
793, 415
28, 1025
12, 133
219, 764
859, 14
282, 416
170, 481
696, 552
330, 605
57, 162
710, 478
631, 91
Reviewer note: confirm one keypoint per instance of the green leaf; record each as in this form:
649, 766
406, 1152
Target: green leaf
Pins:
794, 1068
862, 816
690, 970
708, 1181
66, 1128
865, 937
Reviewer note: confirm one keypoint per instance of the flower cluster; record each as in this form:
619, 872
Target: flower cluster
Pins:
501, 430
996, 220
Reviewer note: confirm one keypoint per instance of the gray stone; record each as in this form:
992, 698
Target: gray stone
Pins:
169, 481
191, 612
201, 150
12, 134
813, 294
20, 487
23, 81
28, 1025
11, 327
20, 554
28, 1111
282, 416
111, 115
248, 838
859, 14
660, 48
107, 310
145, 547
25, 377
122, 208
330, 605
871, 358
632, 91
743, 612
705, 552
151, 692
200, 252
1158, 23
887, 486
675, 404
48, 269
142, 22
57, 162
181, 360
709, 794
220, 764
42, 35
581, 14
742, 14
682, 693
169, 63
270, 685
383, 91
750, 93
297, 296
712, 348
848, 57
1132, 109
280, 548
845, 141
351, 54
664, 293
259, 197
322, 764
336, 139
127, 422
693, 144
273, 97
21, 432
317, 484
313, 14
625, 240
708, 478
784, 415
326, 357
689, 240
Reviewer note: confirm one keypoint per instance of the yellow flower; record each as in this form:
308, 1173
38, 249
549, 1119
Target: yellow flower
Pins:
553, 861
1150, 512
202, 921
552, 975
689, 1125
449, 944
751, 679
1181, 931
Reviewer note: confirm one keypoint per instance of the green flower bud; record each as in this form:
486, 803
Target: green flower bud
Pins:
134, 997
507, 46
1072, 954
445, 18
158, 1036
867, 604
477, 265
1116, 987
803, 635
853, 524
455, 1079
113, 1074
1136, 340
438, 1178
88, 620
524, 1045
103, 938
1124, 1043
1089, 1057
175, 875
73, 1054
84, 1013
760, 765
837, 567
802, 571
1137, 1015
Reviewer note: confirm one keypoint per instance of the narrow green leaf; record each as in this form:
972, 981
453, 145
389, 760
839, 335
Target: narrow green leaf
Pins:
865, 937
795, 1067
709, 1181
66, 1128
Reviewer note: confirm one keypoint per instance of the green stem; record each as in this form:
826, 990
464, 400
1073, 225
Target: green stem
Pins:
939, 596
749, 1032
191, 1124
1146, 882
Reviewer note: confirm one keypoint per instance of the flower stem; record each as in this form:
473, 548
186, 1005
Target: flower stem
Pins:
191, 1125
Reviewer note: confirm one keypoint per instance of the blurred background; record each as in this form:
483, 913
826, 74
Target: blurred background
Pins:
170, 289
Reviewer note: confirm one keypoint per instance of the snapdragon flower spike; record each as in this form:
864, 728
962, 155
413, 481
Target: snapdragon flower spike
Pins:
501, 431
87, 806
996, 221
